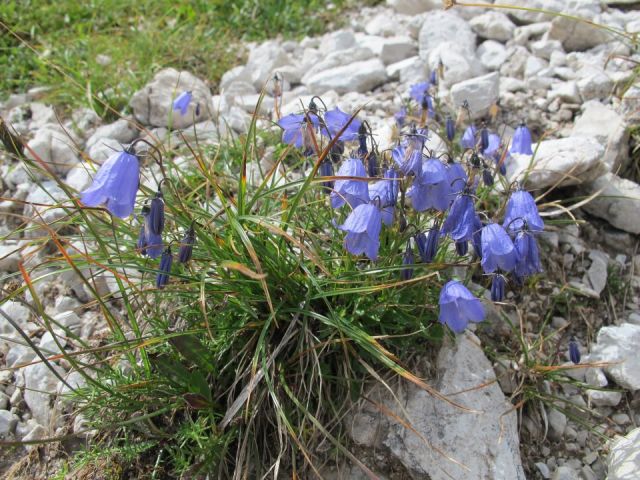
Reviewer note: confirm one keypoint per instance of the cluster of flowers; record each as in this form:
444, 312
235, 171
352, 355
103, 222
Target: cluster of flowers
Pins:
445, 188
115, 187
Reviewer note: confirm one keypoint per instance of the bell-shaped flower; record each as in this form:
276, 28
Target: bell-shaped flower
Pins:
458, 307
450, 128
336, 119
156, 214
521, 142
462, 247
353, 192
419, 90
149, 243
181, 103
574, 351
363, 227
468, 140
408, 159
457, 178
428, 244
400, 117
521, 211
115, 185
296, 129
381, 193
162, 278
407, 261
476, 238
527, 255
460, 223
431, 189
498, 251
186, 246
497, 288
326, 170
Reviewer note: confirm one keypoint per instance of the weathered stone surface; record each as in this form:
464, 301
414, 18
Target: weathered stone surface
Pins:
493, 26
618, 202
9, 258
480, 93
123, 131
485, 440
40, 384
446, 27
264, 60
356, 77
41, 207
618, 345
576, 35
54, 148
413, 7
153, 105
492, 54
624, 457
565, 161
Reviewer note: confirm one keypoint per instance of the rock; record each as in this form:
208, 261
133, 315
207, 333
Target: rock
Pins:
264, 60
40, 383
389, 50
206, 132
485, 441
446, 27
40, 206
609, 128
54, 148
153, 105
493, 26
492, 55
238, 88
249, 103
83, 120
624, 457
545, 48
597, 273
413, 7
48, 343
630, 104
8, 422
594, 83
122, 131
576, 35
103, 149
410, 70
534, 65
339, 40
565, 91
79, 177
618, 202
337, 59
9, 258
481, 93
561, 162
356, 77
19, 355
17, 312
618, 345
239, 73
557, 424
456, 67
527, 16
564, 472
37, 432
543, 469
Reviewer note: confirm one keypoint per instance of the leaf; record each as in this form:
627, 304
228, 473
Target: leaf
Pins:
193, 350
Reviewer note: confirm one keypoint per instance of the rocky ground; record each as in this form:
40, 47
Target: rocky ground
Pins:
573, 84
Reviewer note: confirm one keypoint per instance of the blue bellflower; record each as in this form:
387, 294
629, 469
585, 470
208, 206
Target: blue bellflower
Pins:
181, 103
431, 189
336, 119
165, 268
522, 210
186, 246
296, 129
419, 90
450, 129
407, 260
521, 142
363, 227
498, 250
353, 192
458, 307
156, 214
460, 223
326, 170
115, 185
408, 160
381, 192
400, 117
528, 255
468, 140
497, 288
574, 351
428, 244
457, 178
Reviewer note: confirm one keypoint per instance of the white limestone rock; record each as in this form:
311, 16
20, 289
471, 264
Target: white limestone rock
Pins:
9, 258
123, 131
618, 345
446, 27
54, 148
624, 456
480, 93
492, 55
493, 26
40, 384
356, 77
413, 7
577, 36
618, 202
264, 60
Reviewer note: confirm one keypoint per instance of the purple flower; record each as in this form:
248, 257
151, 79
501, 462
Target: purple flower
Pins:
522, 210
458, 306
165, 268
484, 139
156, 214
409, 160
493, 144
296, 129
574, 351
462, 247
498, 250
372, 164
186, 246
182, 102
419, 90
336, 119
407, 261
326, 170
400, 116
476, 239
381, 192
497, 288
450, 128
363, 230
353, 192
527, 255
521, 142
115, 185
457, 178
460, 223
428, 244
468, 140
431, 189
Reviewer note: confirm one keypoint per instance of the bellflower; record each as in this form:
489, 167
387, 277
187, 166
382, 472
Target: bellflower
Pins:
181, 103
326, 170
574, 351
296, 129
115, 185
450, 128
460, 223
521, 142
484, 139
427, 104
408, 160
372, 164
522, 210
528, 255
392, 177
156, 214
336, 119
401, 117
497, 288
407, 261
419, 90
468, 140
431, 189
381, 192
141, 244
458, 307
476, 238
165, 268
363, 227
353, 192
462, 247
498, 250
186, 246
457, 178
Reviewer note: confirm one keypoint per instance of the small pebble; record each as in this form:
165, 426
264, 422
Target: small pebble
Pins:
621, 418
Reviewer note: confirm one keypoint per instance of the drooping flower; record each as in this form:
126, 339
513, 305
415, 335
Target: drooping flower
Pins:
431, 189
521, 142
468, 140
156, 214
574, 351
458, 307
497, 288
381, 193
115, 185
487, 176
460, 222
522, 210
401, 117
372, 164
457, 178
363, 227
462, 247
428, 244
296, 129
419, 90
484, 139
336, 119
149, 243
141, 244
186, 246
527, 255
326, 170
493, 144
407, 261
476, 238
165, 268
392, 177
408, 160
427, 105
450, 128
182, 102
498, 250
353, 192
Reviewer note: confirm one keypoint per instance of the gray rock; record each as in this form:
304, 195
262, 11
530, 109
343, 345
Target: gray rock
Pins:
594, 83
524, 16
70, 320
8, 422
264, 60
339, 40
597, 273
390, 50
630, 104
54, 148
624, 457
122, 131
40, 384
337, 59
534, 65
492, 54
609, 128
48, 343
100, 151
83, 120
456, 66
237, 88
565, 91
557, 423
565, 472
481, 93
153, 105
544, 470
485, 441
618, 201
205, 132
561, 162
9, 257
576, 35
37, 432
17, 312
446, 27
19, 355
618, 345
413, 7
41, 207
493, 26
356, 77
545, 48
80, 176
239, 73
